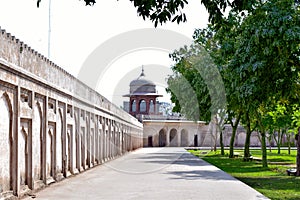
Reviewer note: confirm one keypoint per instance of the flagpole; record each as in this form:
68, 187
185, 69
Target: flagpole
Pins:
49, 29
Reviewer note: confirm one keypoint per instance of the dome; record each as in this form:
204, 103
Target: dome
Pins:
142, 85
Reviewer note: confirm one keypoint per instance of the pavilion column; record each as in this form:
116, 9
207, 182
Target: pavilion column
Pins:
147, 105
178, 138
168, 138
137, 101
130, 105
154, 104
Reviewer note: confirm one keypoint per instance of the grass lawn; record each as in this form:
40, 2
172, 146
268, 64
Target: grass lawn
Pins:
273, 181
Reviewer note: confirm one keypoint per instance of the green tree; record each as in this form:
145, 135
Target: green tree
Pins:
281, 121
196, 86
161, 11
296, 126
220, 41
266, 62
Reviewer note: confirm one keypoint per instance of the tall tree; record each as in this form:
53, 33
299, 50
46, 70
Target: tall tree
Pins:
281, 120
296, 126
197, 88
220, 43
267, 58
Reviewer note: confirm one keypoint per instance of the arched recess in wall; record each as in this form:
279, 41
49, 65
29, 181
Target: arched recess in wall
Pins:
59, 143
92, 141
184, 141
77, 145
6, 144
104, 138
23, 155
50, 151
69, 153
118, 139
143, 106
133, 106
37, 141
88, 141
162, 138
173, 137
70, 141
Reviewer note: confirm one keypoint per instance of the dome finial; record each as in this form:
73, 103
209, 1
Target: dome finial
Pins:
142, 74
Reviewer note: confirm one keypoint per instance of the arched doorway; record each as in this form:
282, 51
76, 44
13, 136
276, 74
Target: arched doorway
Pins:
162, 138
173, 138
195, 140
150, 141
6, 156
184, 141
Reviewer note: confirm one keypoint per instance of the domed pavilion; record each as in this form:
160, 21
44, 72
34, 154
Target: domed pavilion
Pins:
142, 96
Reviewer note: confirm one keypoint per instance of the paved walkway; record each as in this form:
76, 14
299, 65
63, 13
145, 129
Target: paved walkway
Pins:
152, 173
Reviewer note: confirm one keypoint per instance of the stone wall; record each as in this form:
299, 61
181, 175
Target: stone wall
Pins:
175, 133
51, 124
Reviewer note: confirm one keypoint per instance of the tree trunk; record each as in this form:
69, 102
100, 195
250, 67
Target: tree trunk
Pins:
280, 133
220, 130
264, 148
234, 128
298, 154
215, 147
247, 141
247, 147
221, 143
231, 145
263, 142
216, 137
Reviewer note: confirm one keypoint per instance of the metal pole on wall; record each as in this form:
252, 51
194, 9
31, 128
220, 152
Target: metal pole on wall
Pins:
49, 29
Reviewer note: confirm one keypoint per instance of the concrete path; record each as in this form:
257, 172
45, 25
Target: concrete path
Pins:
152, 173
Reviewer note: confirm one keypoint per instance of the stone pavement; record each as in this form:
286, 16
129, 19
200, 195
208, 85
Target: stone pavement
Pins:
152, 173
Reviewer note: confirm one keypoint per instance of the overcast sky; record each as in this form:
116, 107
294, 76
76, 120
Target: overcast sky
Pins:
77, 30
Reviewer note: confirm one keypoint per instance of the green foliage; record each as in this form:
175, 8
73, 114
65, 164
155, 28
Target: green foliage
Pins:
266, 61
196, 87
272, 181
296, 118
160, 11
184, 97
280, 116
257, 53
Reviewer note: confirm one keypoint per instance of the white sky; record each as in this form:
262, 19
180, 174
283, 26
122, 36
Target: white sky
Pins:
77, 30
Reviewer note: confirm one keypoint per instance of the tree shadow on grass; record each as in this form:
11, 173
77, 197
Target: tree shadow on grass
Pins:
235, 165
277, 187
